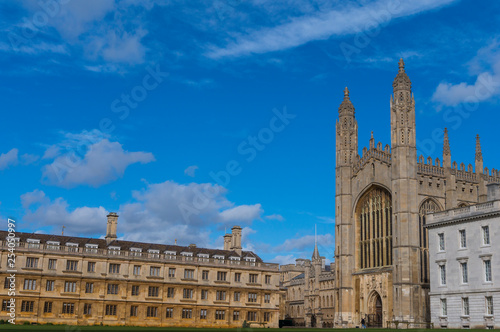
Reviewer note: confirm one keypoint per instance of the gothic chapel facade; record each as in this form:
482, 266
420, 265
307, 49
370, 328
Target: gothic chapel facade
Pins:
381, 199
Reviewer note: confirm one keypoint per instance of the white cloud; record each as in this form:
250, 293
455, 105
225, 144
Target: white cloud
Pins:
297, 31
105, 30
485, 67
242, 213
89, 159
278, 217
30, 198
191, 171
163, 212
9, 159
43, 212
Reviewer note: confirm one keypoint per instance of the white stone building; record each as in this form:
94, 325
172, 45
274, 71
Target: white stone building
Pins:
464, 251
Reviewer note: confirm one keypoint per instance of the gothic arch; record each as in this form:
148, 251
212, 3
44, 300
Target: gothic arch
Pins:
461, 205
428, 205
375, 309
367, 189
373, 220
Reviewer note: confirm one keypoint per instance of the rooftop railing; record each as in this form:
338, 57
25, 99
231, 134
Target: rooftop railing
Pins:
134, 255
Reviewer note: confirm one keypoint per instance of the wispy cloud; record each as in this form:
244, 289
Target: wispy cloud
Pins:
191, 171
485, 70
9, 159
347, 20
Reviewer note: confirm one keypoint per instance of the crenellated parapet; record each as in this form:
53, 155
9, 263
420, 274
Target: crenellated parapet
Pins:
428, 168
375, 152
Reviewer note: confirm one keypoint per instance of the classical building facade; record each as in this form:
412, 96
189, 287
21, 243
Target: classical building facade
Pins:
464, 247
84, 281
309, 288
382, 198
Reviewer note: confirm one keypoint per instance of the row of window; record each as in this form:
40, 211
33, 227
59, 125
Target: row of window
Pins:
464, 271
154, 271
485, 232
153, 291
488, 306
151, 311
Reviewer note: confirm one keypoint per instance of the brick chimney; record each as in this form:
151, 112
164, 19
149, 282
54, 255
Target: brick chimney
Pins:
111, 227
236, 239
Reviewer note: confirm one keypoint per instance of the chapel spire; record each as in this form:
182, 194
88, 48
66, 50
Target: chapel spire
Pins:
479, 156
446, 149
315, 255
346, 108
402, 81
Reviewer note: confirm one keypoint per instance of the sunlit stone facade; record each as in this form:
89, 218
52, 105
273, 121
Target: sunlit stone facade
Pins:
84, 281
382, 199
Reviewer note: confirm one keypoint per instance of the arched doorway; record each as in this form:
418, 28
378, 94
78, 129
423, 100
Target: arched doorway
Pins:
313, 321
375, 316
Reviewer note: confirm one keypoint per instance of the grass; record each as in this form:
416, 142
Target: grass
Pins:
69, 328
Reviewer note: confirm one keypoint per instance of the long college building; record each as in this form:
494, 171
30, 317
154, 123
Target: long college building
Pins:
382, 198
84, 281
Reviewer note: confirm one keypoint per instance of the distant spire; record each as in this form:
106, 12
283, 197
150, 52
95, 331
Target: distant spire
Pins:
402, 81
401, 66
446, 144
346, 107
316, 252
479, 154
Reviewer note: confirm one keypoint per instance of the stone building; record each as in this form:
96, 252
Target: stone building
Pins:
309, 288
85, 281
464, 252
381, 200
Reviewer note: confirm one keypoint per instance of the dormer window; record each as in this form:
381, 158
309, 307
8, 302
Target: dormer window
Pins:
203, 257
188, 256
250, 260
219, 258
234, 260
154, 253
72, 247
137, 252
33, 243
92, 248
170, 254
112, 250
53, 245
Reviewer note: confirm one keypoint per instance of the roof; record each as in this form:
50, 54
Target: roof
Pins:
127, 245
300, 276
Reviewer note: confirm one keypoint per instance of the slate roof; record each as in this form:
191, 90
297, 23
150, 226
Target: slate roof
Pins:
126, 245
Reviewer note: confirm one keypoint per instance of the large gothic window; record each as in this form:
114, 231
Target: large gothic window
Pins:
428, 206
374, 215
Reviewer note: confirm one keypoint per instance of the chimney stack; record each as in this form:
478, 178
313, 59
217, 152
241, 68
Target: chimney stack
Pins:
236, 239
228, 241
111, 227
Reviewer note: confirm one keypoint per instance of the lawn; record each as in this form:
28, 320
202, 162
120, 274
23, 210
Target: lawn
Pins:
68, 328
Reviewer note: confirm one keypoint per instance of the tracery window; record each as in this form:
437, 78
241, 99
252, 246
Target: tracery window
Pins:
428, 206
375, 228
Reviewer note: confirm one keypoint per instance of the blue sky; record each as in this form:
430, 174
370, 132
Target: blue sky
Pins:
189, 117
